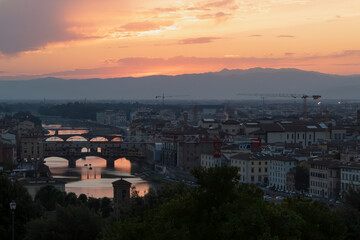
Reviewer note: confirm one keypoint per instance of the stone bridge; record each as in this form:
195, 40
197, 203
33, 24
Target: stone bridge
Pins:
109, 150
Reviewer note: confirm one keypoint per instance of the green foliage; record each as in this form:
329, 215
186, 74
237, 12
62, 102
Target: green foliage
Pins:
25, 208
302, 179
73, 222
319, 222
49, 196
350, 213
220, 208
25, 115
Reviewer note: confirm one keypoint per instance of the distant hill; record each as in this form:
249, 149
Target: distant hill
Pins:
225, 84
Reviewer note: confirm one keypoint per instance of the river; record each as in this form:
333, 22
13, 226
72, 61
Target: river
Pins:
91, 177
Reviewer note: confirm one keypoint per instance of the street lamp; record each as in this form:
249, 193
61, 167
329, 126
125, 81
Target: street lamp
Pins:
13, 207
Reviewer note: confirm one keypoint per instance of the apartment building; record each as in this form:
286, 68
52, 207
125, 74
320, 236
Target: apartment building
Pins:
253, 168
350, 177
280, 166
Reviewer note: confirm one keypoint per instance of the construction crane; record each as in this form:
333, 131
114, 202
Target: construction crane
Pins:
163, 97
303, 96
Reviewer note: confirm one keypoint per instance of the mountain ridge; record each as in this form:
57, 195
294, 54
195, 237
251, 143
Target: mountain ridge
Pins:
224, 84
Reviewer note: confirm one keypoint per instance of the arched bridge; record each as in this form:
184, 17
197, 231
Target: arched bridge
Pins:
109, 150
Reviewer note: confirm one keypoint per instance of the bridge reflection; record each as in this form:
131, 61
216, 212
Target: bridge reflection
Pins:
58, 164
95, 182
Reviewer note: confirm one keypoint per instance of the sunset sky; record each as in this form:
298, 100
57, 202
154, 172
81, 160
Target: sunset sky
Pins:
116, 38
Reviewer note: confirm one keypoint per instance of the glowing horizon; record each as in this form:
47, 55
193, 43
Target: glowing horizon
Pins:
110, 38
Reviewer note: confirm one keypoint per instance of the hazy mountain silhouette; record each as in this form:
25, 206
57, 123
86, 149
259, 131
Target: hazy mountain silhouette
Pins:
225, 84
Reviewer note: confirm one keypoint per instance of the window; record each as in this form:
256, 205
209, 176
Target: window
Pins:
252, 170
252, 178
266, 169
259, 169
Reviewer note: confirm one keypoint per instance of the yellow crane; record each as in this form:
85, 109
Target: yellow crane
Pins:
282, 95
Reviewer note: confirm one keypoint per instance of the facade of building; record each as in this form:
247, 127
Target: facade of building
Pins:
32, 149
350, 177
209, 123
231, 127
324, 179
279, 167
253, 168
189, 154
6, 153
112, 118
208, 160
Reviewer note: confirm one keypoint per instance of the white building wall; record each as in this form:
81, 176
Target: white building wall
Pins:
278, 171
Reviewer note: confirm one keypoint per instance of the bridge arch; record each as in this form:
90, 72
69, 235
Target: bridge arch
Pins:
76, 138
117, 139
99, 139
54, 139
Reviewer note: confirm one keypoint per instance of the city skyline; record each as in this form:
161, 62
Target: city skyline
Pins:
85, 39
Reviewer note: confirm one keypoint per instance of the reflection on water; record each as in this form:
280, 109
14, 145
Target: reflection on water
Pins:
122, 164
69, 132
92, 178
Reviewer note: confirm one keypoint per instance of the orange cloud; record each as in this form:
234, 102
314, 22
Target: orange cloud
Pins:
349, 62
145, 26
221, 3
285, 36
199, 40
219, 16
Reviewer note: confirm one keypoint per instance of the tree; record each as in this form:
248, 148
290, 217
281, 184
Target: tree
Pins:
25, 208
49, 196
319, 222
72, 222
302, 179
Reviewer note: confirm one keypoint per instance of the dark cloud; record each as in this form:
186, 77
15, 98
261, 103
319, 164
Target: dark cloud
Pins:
31, 25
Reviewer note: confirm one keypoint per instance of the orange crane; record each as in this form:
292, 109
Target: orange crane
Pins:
303, 96
163, 97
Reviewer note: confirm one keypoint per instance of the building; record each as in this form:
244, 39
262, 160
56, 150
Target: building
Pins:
32, 149
188, 154
6, 153
154, 152
121, 190
253, 168
231, 127
279, 167
350, 177
324, 179
290, 180
300, 132
208, 160
209, 123
112, 118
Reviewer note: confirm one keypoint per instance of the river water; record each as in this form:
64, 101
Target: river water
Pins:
91, 177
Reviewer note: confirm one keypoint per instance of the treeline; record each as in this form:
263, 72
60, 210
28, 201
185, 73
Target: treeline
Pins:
78, 110
219, 208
